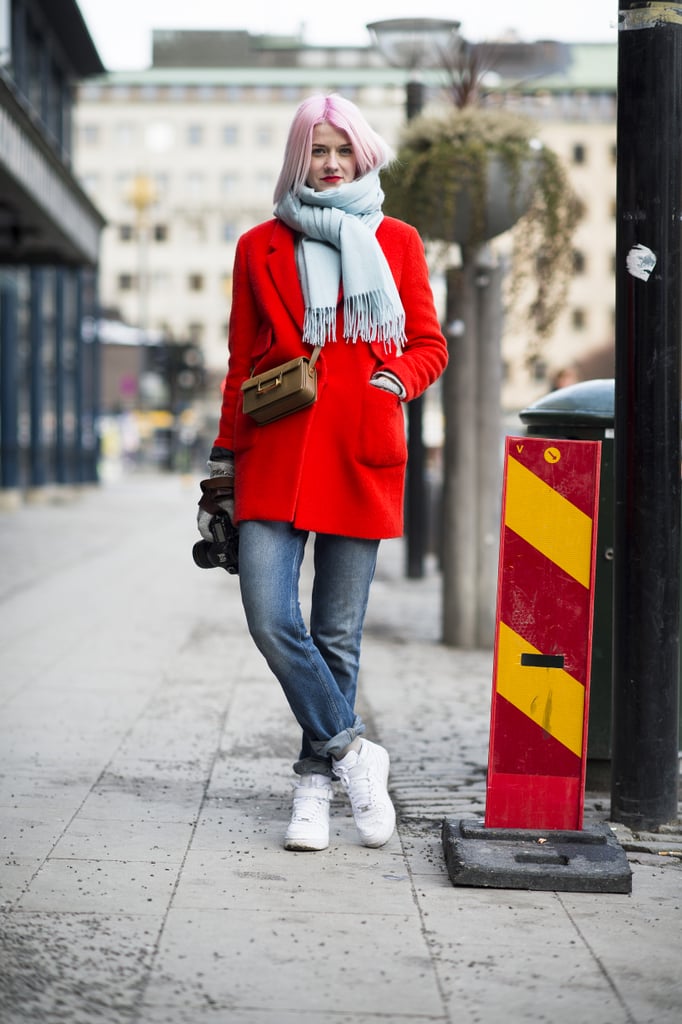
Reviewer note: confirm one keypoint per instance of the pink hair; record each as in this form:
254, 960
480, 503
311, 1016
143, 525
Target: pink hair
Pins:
371, 151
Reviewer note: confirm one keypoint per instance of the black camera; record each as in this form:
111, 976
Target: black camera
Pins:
223, 551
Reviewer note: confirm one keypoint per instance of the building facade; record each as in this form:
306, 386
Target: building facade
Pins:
49, 248
183, 158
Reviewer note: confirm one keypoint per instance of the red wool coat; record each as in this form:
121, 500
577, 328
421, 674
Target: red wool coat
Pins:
339, 465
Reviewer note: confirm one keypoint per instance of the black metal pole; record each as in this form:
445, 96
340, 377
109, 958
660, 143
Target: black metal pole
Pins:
61, 473
647, 416
9, 384
416, 513
37, 414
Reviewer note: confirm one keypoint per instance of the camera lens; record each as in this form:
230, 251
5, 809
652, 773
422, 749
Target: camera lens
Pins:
200, 554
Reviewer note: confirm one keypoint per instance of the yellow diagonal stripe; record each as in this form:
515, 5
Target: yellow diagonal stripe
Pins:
550, 696
548, 522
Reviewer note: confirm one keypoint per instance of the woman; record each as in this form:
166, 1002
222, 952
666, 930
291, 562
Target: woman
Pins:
328, 270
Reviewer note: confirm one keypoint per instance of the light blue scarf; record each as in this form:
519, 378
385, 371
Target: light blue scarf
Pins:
339, 244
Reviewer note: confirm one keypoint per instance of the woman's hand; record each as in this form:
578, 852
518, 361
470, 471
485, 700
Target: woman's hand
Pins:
387, 381
217, 491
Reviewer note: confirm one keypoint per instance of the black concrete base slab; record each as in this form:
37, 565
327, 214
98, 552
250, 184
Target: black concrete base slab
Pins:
591, 860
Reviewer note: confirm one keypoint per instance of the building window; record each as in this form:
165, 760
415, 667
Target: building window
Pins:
195, 282
90, 92
579, 153
161, 182
229, 231
579, 262
537, 368
126, 232
228, 183
578, 319
349, 58
160, 232
124, 134
123, 184
230, 134
195, 333
265, 181
195, 184
35, 47
313, 58
263, 135
196, 230
90, 134
57, 100
195, 134
126, 282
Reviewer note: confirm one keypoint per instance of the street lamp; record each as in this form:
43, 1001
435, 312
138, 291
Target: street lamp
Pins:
142, 195
413, 44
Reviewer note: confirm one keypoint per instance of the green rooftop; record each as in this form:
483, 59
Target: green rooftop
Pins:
591, 67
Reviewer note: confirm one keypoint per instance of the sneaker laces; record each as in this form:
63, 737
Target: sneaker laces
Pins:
309, 802
360, 788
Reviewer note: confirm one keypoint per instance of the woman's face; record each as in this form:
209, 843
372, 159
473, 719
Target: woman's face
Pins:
332, 161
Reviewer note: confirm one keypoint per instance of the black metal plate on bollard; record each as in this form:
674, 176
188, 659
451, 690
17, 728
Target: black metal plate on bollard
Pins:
591, 860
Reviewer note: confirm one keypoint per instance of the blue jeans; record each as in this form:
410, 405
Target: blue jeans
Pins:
318, 670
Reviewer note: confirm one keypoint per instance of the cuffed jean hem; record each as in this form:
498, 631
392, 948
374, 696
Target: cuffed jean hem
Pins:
334, 746
314, 766
320, 762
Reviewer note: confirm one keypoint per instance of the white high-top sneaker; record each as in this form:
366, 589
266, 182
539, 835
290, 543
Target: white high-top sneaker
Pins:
309, 825
364, 775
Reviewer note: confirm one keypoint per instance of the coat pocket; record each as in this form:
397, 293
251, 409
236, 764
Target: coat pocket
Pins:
381, 440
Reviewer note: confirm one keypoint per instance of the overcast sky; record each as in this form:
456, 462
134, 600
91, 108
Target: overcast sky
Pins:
122, 29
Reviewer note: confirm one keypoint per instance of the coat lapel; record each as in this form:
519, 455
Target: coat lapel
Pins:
281, 261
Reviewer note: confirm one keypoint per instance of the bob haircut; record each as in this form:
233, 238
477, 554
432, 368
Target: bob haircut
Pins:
371, 151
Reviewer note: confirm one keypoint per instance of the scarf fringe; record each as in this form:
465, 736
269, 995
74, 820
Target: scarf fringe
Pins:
372, 317
369, 317
319, 325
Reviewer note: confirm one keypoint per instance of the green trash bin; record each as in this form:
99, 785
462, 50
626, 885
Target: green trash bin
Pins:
584, 412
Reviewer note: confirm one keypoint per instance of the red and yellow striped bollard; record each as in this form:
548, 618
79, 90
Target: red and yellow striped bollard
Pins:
543, 647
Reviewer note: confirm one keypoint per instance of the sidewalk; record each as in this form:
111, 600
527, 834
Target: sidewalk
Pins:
145, 758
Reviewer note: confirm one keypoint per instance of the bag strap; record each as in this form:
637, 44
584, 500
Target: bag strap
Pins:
311, 362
